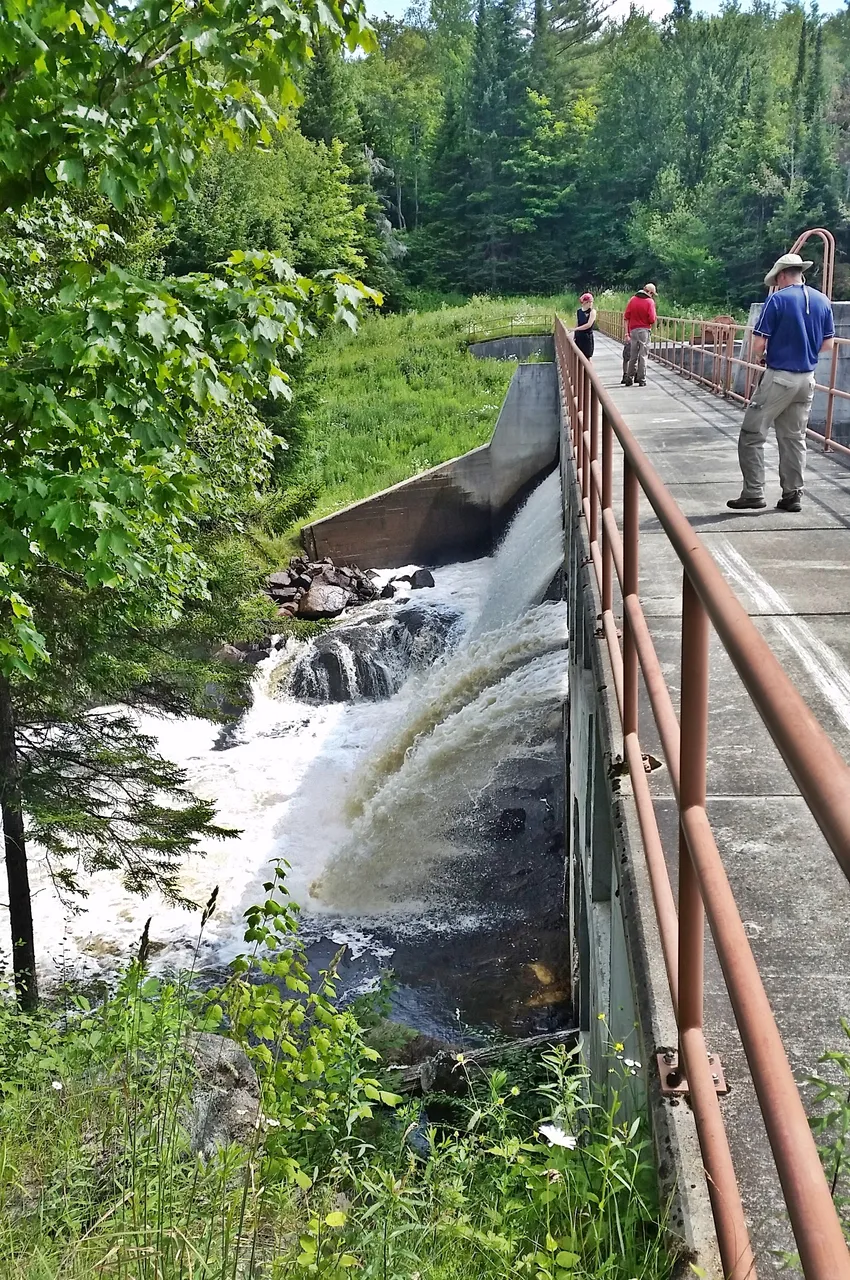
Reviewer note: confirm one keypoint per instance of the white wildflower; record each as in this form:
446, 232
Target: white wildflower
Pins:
557, 1137
631, 1062
57, 1085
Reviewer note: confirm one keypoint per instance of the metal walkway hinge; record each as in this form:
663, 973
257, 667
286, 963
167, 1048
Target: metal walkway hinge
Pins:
672, 1078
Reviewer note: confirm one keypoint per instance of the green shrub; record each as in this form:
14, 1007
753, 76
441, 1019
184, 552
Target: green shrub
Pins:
98, 1177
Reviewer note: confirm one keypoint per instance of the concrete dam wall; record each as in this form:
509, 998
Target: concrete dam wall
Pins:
459, 509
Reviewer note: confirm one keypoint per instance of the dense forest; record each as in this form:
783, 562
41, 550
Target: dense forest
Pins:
527, 147
531, 147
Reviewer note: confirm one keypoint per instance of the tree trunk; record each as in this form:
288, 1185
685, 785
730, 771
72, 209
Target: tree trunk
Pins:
20, 904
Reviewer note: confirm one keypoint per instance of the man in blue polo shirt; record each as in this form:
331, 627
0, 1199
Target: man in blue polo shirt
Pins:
794, 327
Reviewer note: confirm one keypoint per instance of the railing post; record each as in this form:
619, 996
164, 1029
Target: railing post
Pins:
594, 455
584, 380
631, 532
727, 370
692, 766
830, 398
607, 499
690, 373
575, 396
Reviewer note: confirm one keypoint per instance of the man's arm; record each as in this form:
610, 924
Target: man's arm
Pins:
759, 347
827, 344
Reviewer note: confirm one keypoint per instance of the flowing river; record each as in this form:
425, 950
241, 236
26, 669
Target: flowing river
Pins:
422, 829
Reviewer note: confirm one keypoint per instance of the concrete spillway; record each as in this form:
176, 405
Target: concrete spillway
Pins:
459, 510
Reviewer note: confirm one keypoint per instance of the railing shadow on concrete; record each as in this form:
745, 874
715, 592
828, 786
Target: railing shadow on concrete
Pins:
596, 429
717, 354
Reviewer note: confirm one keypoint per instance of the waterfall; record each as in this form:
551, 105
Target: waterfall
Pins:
402, 831
364, 796
372, 656
530, 554
501, 689
452, 683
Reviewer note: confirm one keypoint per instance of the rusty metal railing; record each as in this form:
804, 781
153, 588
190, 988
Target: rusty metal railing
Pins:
596, 430
717, 354
827, 239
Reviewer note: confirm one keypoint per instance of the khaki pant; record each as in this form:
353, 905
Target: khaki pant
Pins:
627, 355
639, 351
782, 401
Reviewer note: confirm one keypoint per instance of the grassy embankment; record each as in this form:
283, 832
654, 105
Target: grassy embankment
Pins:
401, 395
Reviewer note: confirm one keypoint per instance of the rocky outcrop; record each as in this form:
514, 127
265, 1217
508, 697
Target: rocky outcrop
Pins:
321, 589
372, 658
225, 1101
318, 589
415, 581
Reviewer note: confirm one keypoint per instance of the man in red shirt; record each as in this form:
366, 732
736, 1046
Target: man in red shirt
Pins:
639, 316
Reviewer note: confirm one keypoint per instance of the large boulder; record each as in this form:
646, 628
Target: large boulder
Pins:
322, 601
372, 658
225, 1101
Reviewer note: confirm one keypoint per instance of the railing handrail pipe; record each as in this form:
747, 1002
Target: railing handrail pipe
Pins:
820, 772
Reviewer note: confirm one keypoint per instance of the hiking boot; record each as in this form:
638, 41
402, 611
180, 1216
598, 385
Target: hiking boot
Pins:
790, 501
746, 504
627, 382
642, 384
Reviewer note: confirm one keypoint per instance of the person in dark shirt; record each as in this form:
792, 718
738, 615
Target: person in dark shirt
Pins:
586, 318
795, 325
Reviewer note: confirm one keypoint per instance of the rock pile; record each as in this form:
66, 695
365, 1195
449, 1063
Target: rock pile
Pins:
321, 589
312, 590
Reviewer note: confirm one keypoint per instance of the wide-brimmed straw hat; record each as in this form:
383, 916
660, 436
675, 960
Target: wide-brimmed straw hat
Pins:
788, 262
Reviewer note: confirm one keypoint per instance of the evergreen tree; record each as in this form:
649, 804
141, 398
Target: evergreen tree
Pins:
329, 115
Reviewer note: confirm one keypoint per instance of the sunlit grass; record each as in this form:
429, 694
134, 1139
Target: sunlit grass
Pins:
404, 394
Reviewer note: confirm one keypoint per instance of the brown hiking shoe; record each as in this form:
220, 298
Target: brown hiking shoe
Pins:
790, 501
746, 504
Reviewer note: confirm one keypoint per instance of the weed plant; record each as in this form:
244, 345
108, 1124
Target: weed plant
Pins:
99, 1176
830, 1123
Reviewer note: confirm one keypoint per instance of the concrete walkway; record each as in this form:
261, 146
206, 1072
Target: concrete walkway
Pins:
792, 573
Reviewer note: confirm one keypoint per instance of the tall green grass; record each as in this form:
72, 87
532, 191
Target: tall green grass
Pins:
528, 1175
403, 394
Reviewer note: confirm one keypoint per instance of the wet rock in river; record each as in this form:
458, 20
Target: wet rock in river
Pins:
372, 659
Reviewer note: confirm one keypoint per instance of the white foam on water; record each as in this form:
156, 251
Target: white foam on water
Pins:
527, 559
395, 846
294, 773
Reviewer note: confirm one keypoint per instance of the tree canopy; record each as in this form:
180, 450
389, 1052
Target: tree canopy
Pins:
558, 146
